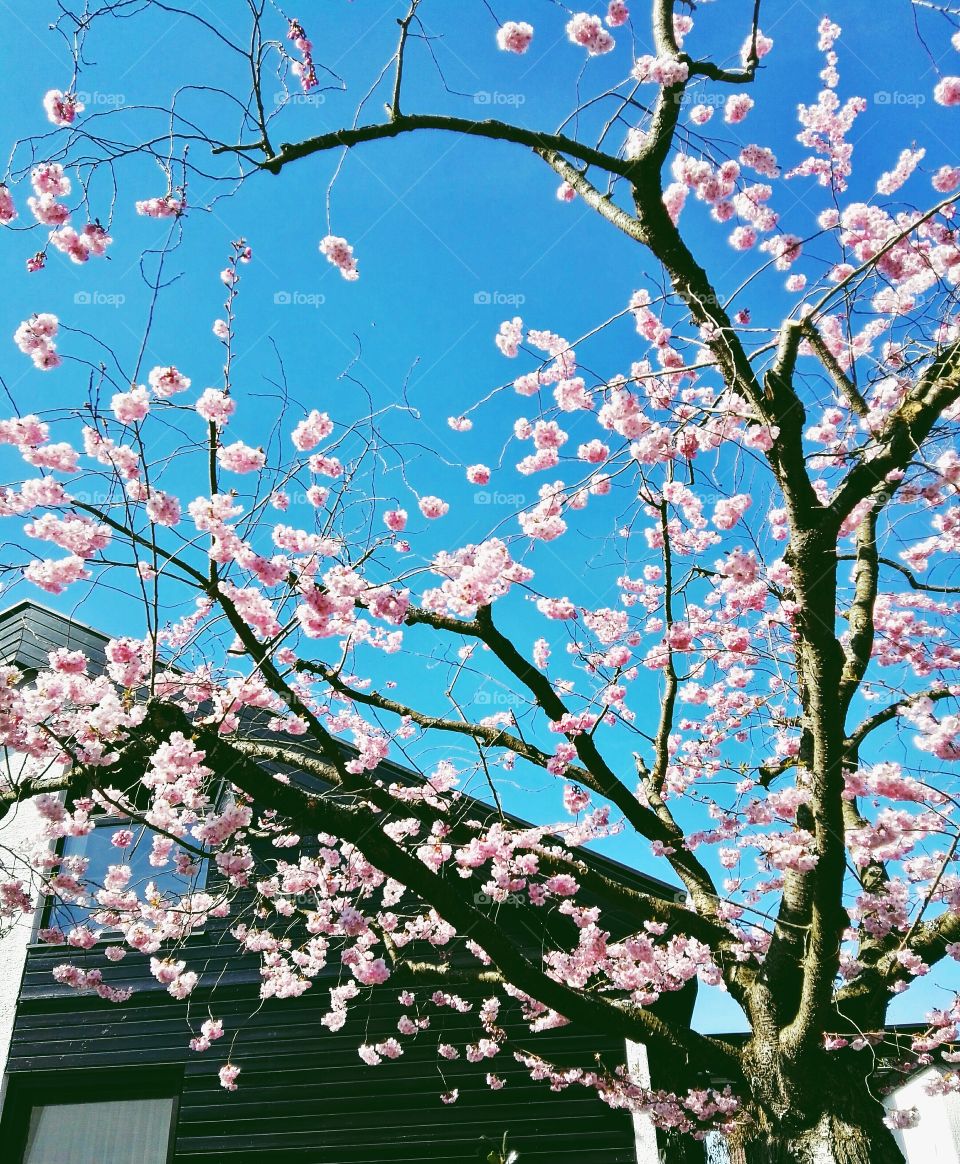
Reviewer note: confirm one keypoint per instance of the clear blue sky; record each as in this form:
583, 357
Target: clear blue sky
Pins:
440, 225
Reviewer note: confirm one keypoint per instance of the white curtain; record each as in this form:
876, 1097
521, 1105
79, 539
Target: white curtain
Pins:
135, 1131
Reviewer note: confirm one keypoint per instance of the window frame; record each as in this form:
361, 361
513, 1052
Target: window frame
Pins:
27, 1090
115, 820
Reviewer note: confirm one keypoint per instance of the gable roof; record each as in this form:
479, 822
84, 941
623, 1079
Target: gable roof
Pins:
29, 631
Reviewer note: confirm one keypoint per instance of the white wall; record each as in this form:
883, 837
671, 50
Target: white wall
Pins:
936, 1138
20, 826
644, 1131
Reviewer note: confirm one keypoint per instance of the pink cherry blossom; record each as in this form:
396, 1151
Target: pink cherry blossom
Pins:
167, 382
165, 206
131, 407
587, 31
215, 406
575, 799
763, 45
510, 336
908, 161
478, 474
61, 108
162, 508
947, 91
742, 238
304, 68
241, 458
35, 338
947, 178
55, 575
8, 211
433, 507
737, 107
514, 36
309, 432
661, 70
339, 252
617, 13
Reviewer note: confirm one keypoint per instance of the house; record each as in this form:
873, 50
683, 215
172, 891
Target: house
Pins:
936, 1137
85, 1080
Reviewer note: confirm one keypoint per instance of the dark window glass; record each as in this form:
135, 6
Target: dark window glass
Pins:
97, 846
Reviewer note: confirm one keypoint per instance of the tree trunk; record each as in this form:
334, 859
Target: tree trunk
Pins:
819, 1110
834, 1139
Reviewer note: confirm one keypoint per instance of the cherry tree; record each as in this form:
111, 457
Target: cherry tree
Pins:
776, 495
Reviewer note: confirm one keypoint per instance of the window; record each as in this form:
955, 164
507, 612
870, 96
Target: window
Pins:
93, 1116
98, 849
116, 1132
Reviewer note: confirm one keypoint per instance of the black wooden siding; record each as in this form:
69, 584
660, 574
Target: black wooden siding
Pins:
304, 1094
28, 632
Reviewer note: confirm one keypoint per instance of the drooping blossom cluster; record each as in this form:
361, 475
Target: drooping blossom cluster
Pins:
36, 338
340, 253
161, 206
304, 69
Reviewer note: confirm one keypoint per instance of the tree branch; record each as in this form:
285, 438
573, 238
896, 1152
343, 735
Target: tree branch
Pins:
324, 814
492, 129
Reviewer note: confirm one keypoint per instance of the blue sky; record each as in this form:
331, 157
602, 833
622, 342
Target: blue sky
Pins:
451, 235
